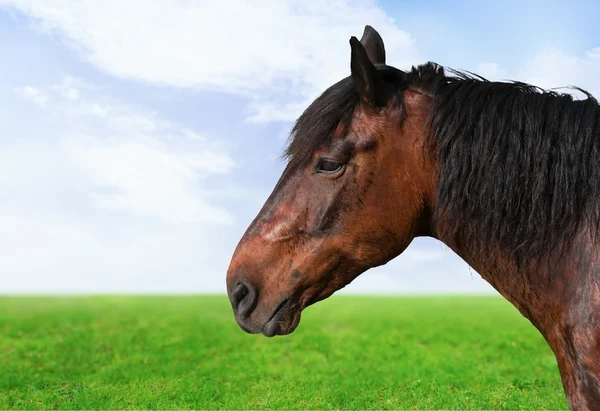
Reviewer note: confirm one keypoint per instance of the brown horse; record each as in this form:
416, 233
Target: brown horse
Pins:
505, 174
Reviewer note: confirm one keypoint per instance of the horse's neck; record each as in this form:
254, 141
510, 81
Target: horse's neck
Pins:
543, 292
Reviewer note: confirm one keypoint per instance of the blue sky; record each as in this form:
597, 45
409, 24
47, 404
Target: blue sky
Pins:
140, 139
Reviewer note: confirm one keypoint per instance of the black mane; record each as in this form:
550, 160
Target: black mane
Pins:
519, 165
319, 121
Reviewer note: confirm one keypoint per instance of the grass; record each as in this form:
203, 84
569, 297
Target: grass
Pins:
349, 352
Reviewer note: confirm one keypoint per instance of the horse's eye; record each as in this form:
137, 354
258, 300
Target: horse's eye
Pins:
329, 166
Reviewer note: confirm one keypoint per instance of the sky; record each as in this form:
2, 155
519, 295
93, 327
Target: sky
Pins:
139, 139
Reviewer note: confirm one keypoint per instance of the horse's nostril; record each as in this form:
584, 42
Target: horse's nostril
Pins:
238, 295
243, 298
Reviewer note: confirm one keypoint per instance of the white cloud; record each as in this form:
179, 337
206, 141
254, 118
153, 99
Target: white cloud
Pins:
290, 49
552, 68
68, 88
35, 95
136, 161
63, 254
491, 71
102, 196
150, 181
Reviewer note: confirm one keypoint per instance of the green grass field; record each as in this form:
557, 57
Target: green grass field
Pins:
348, 352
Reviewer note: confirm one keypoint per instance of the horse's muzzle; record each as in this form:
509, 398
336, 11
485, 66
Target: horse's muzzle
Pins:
244, 297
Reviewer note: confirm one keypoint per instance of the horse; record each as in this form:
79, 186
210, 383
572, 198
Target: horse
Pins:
506, 174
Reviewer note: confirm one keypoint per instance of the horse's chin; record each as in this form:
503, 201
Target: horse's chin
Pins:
286, 318
283, 322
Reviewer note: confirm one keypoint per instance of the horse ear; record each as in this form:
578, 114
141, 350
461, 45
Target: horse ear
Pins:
364, 73
374, 45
